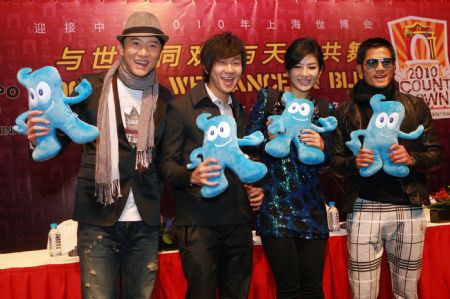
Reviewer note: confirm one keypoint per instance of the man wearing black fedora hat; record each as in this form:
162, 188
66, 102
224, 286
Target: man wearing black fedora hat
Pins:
118, 190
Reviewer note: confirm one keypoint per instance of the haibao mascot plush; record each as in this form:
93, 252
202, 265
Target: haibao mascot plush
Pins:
45, 93
381, 133
221, 142
296, 117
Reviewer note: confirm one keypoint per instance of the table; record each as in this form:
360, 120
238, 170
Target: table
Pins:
30, 275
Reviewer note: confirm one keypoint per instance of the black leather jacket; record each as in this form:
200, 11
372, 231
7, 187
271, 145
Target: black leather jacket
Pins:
425, 150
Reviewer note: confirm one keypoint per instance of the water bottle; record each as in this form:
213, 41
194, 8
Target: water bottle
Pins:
333, 217
54, 240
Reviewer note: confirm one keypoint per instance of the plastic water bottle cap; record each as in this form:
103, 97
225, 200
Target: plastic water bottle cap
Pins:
53, 225
332, 204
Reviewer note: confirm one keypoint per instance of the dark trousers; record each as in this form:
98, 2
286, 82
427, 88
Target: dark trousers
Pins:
297, 265
216, 259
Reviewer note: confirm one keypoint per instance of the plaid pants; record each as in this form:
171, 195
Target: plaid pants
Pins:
401, 230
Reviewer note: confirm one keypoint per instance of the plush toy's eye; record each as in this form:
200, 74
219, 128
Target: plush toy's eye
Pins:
32, 97
293, 108
381, 120
224, 130
393, 120
212, 134
43, 92
304, 109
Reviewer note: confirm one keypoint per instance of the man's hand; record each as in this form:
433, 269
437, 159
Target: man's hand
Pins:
255, 196
205, 170
399, 155
312, 138
364, 158
35, 127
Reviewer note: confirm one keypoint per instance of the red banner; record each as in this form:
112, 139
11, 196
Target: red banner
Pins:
80, 37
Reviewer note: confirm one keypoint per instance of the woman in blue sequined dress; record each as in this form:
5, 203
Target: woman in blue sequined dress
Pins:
292, 221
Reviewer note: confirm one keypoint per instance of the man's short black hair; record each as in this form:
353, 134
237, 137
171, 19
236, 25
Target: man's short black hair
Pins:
373, 43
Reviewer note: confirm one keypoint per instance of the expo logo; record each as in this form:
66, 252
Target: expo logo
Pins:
12, 92
423, 64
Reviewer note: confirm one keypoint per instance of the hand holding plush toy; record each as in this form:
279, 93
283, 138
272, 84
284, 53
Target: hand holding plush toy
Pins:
45, 93
381, 133
221, 142
296, 117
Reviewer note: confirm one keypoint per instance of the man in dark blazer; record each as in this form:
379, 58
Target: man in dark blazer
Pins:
214, 235
118, 190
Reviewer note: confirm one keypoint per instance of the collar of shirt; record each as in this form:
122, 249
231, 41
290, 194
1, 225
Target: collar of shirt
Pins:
217, 101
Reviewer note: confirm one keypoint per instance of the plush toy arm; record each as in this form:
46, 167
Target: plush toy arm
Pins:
413, 135
255, 138
317, 129
84, 90
328, 124
195, 158
355, 144
21, 126
276, 126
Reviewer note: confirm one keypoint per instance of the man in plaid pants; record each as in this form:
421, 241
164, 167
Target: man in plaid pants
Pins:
384, 211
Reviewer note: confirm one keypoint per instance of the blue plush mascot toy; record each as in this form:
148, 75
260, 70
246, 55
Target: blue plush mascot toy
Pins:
221, 142
45, 93
381, 133
296, 117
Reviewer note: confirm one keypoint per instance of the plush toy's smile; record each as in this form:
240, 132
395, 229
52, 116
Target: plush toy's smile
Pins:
223, 144
386, 135
299, 119
50, 108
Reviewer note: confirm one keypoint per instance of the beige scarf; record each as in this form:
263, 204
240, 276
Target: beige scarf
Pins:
107, 177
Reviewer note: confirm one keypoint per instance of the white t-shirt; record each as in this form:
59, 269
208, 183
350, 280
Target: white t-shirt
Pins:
130, 107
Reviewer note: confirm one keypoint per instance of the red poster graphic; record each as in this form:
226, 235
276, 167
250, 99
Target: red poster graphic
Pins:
422, 61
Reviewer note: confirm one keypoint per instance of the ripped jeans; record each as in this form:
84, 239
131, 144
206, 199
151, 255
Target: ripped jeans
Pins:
126, 250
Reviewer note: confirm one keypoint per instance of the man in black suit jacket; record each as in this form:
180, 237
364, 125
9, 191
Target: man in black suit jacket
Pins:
214, 234
118, 190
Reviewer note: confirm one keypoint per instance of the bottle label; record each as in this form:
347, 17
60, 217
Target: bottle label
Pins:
54, 243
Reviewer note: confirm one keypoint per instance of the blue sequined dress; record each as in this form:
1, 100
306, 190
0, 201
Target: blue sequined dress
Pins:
294, 205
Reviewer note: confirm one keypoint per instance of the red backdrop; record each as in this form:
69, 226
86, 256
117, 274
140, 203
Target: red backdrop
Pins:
79, 37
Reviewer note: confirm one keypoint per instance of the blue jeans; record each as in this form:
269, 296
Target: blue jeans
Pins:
126, 248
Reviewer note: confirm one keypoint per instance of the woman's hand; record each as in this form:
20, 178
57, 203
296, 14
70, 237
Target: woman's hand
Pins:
312, 138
